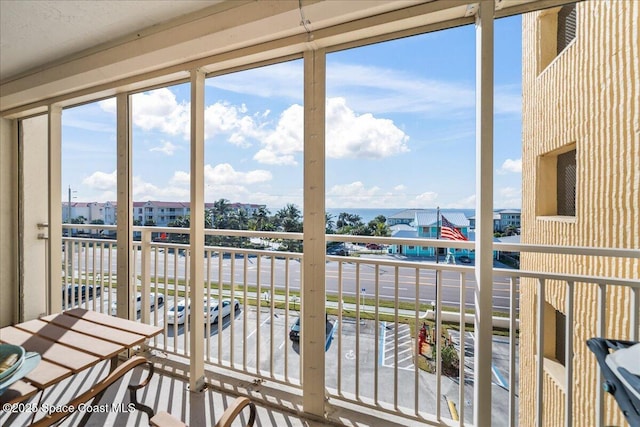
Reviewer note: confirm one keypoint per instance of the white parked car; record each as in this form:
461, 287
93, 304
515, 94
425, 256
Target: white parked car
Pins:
178, 313
211, 309
152, 303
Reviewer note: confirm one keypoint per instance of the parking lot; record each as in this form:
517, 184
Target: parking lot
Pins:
258, 342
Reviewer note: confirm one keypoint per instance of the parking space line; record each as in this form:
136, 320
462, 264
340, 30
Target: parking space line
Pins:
256, 330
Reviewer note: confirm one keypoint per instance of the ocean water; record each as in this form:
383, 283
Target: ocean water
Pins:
367, 214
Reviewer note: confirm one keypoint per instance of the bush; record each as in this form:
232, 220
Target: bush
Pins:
450, 361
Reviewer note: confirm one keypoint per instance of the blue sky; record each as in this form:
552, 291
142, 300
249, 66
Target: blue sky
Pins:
400, 130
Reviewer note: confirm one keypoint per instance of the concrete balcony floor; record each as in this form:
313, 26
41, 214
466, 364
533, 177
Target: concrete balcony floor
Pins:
164, 392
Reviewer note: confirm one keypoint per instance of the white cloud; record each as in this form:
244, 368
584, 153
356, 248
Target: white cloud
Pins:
156, 110
465, 203
509, 197
101, 181
511, 165
371, 89
167, 148
354, 194
225, 174
280, 146
284, 80
348, 135
361, 136
159, 110
224, 118
143, 190
425, 199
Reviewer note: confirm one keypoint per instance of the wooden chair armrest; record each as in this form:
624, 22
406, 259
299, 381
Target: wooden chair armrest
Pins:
235, 409
95, 390
164, 419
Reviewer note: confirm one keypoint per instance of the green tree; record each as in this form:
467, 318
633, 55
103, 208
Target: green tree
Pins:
79, 220
378, 227
289, 219
329, 223
351, 224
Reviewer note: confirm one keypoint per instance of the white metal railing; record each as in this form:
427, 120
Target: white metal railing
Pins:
376, 307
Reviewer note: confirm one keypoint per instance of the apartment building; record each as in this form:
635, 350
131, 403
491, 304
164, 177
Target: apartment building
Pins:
152, 212
581, 187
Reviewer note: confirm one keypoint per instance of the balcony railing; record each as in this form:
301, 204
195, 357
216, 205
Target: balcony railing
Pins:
378, 308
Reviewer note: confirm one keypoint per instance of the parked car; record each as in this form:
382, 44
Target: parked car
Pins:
374, 246
152, 303
178, 313
211, 309
294, 332
337, 250
77, 293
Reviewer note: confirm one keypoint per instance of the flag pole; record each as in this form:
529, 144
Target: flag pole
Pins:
435, 305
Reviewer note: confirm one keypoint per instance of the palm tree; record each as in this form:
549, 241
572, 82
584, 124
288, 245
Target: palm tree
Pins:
329, 223
220, 211
289, 219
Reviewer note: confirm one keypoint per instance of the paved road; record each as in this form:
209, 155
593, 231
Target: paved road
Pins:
353, 276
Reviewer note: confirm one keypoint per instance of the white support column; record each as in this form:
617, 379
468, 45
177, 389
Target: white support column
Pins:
125, 293
313, 285
54, 280
196, 239
484, 213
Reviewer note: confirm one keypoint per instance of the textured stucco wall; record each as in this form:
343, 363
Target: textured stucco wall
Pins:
588, 95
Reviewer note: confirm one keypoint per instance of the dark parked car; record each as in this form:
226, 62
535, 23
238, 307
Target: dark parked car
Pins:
337, 250
374, 246
77, 293
294, 333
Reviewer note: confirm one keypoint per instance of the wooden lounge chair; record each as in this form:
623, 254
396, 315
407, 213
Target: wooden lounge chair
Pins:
98, 390
162, 419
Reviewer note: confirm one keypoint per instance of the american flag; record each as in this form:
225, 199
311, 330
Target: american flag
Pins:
449, 231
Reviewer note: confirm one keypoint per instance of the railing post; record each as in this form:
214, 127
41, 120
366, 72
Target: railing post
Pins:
313, 285
145, 272
484, 214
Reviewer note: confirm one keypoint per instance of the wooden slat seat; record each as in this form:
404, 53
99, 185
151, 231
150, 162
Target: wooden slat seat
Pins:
115, 322
117, 336
46, 374
87, 343
51, 351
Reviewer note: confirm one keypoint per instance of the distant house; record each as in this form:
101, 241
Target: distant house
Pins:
425, 226
501, 220
509, 218
406, 216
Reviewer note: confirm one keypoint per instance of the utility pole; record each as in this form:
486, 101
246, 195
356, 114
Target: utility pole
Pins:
69, 207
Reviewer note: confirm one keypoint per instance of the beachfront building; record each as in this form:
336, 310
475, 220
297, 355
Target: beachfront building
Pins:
581, 187
424, 225
502, 219
152, 212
